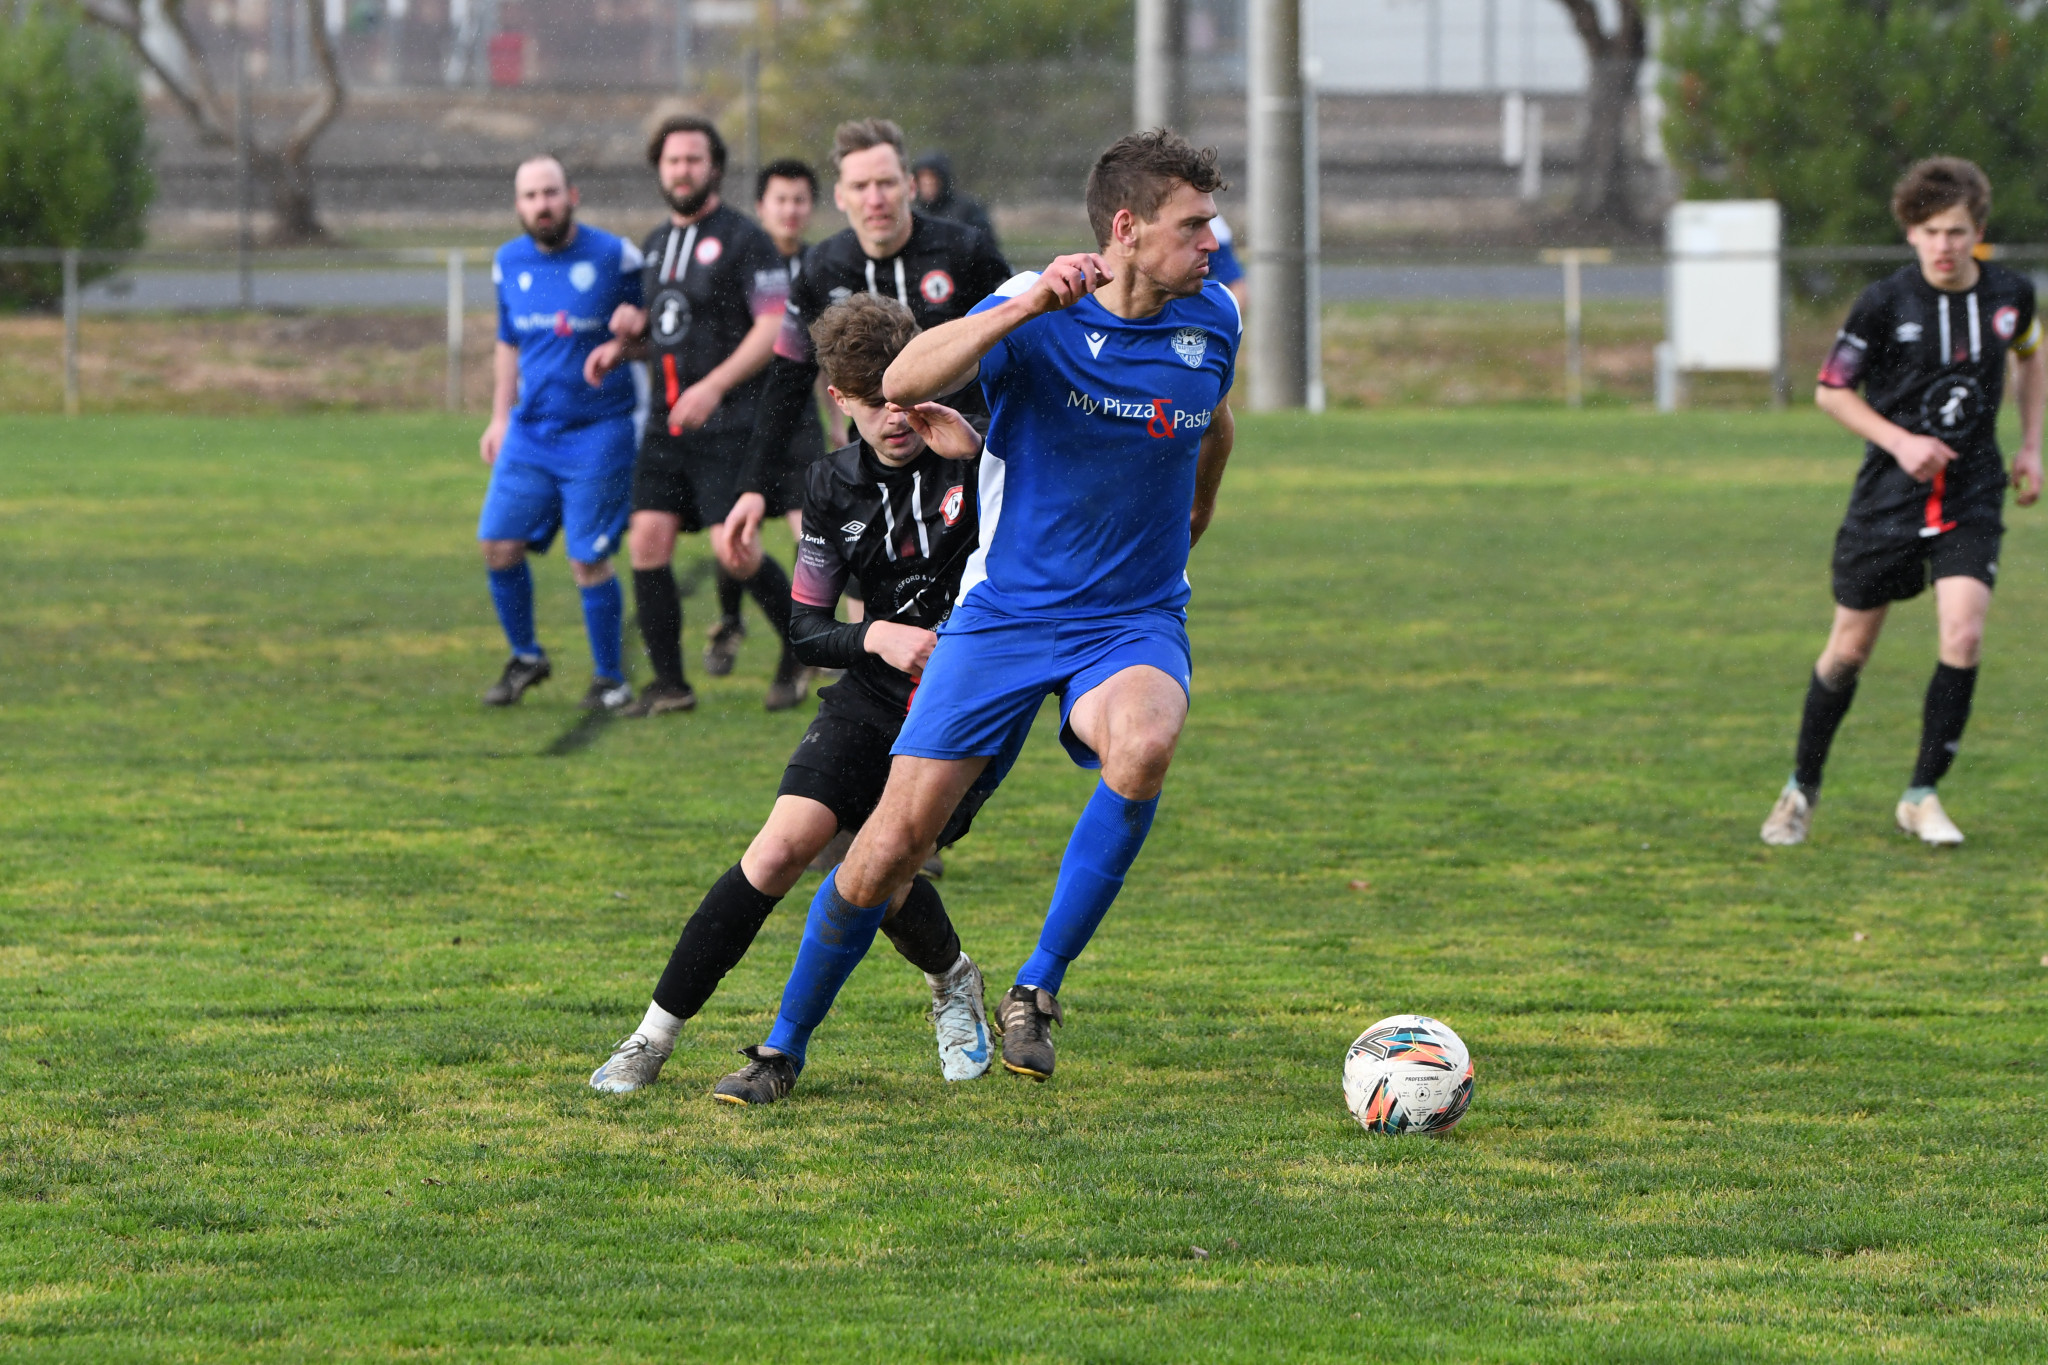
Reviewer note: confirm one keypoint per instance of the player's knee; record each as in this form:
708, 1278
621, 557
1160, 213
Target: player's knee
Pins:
502, 554
1961, 642
773, 864
1139, 756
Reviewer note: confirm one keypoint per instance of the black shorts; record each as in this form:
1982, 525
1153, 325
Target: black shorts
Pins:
842, 763
1872, 569
695, 477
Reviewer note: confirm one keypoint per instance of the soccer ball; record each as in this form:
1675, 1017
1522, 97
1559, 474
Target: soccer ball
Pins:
1408, 1074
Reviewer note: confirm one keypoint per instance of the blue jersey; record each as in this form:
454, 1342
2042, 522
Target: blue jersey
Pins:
1088, 478
1223, 266
556, 307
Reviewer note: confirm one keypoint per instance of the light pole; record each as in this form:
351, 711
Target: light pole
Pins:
1157, 79
1279, 220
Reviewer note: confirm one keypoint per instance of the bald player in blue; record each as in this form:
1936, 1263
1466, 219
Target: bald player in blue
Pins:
1108, 378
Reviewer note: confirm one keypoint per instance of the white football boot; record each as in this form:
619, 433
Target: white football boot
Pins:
1790, 819
960, 1019
1928, 820
634, 1064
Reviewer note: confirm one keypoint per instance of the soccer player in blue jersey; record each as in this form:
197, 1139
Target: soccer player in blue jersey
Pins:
1108, 379
560, 450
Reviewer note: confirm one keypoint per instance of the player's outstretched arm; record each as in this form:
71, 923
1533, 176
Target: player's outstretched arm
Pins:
941, 360
1920, 456
504, 393
2030, 391
1215, 454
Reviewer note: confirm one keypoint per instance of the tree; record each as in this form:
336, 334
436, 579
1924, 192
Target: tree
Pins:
157, 31
1614, 61
74, 149
1821, 104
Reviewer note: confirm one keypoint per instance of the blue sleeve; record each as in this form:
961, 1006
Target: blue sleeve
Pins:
631, 276
1223, 266
1230, 323
999, 356
505, 332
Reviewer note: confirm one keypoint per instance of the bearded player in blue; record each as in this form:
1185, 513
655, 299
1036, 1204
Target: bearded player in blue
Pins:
1108, 378
560, 449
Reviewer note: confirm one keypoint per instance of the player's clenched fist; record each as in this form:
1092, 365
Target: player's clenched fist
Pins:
1066, 282
2026, 477
902, 647
1923, 457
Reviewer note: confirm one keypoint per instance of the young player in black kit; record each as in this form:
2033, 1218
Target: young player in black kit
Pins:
936, 268
1928, 345
898, 508
715, 287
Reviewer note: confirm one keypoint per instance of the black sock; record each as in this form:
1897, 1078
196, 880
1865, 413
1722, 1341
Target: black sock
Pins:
1825, 708
713, 942
922, 932
770, 587
729, 598
661, 622
1942, 721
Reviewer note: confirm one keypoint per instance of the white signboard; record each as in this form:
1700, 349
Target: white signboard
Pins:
1721, 287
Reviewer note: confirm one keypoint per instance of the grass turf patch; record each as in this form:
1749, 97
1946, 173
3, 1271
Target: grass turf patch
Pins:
305, 956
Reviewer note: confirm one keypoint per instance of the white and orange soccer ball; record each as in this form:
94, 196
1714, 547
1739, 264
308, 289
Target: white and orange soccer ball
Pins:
1408, 1074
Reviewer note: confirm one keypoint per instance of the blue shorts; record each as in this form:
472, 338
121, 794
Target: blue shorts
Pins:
580, 482
984, 682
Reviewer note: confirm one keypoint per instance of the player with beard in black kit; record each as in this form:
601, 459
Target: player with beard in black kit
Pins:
715, 289
898, 507
1929, 346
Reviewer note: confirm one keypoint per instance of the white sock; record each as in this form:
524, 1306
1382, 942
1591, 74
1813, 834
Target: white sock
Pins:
950, 975
660, 1027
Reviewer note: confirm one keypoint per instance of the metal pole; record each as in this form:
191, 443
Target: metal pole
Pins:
1278, 223
1574, 355
1781, 377
244, 196
1312, 225
454, 399
753, 132
1157, 79
1532, 151
71, 332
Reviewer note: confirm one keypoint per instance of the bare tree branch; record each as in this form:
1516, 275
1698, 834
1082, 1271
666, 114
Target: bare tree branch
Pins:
333, 94
156, 30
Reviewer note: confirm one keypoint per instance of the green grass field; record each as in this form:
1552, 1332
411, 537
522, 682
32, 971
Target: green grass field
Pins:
304, 956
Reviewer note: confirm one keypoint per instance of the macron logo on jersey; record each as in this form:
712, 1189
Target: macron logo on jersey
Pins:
1161, 422
1095, 340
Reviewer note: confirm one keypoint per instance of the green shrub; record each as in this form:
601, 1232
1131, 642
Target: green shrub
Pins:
74, 149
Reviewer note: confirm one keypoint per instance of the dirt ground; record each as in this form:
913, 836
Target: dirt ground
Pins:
1375, 355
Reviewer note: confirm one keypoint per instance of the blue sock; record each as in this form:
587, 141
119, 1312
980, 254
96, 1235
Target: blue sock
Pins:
1106, 839
837, 934
512, 595
604, 611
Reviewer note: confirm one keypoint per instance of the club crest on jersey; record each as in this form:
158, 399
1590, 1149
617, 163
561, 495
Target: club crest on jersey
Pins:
2005, 322
956, 498
1191, 344
709, 250
936, 286
583, 274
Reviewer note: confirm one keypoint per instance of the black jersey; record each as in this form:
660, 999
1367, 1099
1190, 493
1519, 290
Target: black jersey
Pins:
906, 533
1933, 361
705, 284
942, 271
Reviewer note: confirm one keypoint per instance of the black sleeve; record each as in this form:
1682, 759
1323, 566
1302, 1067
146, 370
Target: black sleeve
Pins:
821, 640
987, 270
785, 396
978, 217
1862, 341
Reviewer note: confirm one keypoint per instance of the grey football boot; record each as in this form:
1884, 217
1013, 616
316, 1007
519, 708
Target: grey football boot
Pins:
1026, 1016
766, 1078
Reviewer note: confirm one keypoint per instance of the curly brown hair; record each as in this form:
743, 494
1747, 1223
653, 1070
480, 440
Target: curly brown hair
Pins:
1138, 173
1938, 184
857, 339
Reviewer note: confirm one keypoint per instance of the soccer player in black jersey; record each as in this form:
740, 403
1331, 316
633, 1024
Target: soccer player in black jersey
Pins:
936, 268
785, 195
1929, 347
715, 287
898, 508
